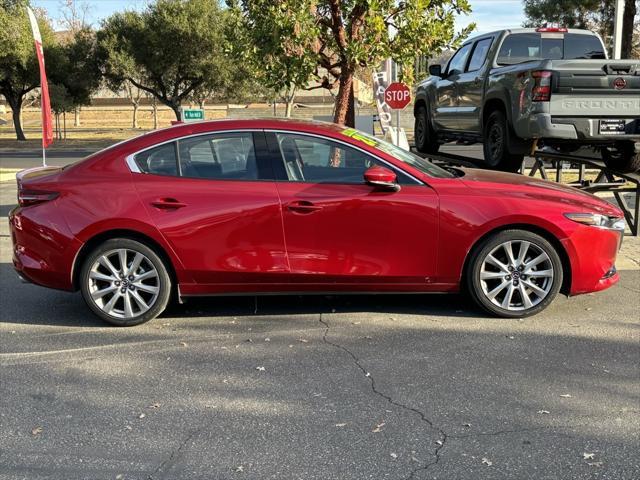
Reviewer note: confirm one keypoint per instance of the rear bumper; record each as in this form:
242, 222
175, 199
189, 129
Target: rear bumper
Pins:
582, 129
43, 249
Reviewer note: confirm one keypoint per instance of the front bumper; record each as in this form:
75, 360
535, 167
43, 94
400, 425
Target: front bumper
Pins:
592, 254
586, 130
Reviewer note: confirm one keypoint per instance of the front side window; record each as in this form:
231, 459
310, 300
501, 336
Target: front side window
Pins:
479, 54
219, 156
319, 160
159, 160
459, 60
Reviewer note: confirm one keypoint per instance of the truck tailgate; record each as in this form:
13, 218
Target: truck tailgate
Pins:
595, 88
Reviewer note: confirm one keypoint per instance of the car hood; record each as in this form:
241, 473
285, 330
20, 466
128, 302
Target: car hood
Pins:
522, 185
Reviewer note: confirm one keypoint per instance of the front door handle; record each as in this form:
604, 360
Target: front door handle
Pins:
168, 204
302, 206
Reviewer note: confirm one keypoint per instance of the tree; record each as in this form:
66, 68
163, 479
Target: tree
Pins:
331, 40
595, 15
76, 66
629, 29
168, 50
19, 74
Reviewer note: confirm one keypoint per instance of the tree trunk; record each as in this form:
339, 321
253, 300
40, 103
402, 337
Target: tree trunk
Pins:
155, 114
76, 117
134, 123
627, 28
176, 111
344, 98
288, 107
17, 121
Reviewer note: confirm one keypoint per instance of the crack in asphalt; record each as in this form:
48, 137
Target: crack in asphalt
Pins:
390, 400
169, 462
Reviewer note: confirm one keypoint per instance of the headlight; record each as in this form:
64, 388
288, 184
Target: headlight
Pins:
597, 220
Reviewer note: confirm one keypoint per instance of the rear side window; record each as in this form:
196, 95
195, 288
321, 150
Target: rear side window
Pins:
524, 47
479, 54
223, 156
159, 160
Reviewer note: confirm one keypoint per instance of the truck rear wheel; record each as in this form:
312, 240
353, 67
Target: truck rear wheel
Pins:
425, 136
496, 145
623, 157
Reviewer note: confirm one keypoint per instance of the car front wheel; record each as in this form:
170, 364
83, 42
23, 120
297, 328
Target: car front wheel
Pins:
425, 136
514, 273
124, 282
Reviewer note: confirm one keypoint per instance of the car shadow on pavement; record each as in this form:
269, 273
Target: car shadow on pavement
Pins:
33, 305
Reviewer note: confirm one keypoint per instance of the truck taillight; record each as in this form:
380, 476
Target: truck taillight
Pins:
26, 198
541, 91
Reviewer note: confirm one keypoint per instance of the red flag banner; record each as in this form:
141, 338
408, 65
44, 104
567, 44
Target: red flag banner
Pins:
47, 127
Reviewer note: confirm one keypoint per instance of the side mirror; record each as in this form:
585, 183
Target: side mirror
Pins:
381, 177
435, 70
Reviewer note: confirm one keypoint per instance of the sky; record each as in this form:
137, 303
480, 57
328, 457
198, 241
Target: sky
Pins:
488, 14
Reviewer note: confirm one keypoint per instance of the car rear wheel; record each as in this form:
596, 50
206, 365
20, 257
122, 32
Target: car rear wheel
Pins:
425, 136
514, 273
623, 157
125, 283
496, 145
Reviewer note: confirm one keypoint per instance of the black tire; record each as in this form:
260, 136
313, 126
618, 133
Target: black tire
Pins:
496, 145
623, 158
425, 136
481, 292
157, 280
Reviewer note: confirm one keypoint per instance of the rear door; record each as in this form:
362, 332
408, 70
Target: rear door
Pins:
213, 198
445, 115
471, 87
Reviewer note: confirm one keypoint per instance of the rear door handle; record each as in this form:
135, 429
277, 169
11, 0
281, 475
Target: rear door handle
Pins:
302, 206
168, 204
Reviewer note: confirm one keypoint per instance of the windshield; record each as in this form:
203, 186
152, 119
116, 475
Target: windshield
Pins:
525, 47
409, 158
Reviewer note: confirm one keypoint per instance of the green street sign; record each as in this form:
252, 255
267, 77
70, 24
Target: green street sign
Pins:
192, 114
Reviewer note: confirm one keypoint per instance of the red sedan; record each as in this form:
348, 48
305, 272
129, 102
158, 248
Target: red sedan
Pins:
273, 206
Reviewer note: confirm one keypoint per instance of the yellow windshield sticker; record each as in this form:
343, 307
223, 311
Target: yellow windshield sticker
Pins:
353, 133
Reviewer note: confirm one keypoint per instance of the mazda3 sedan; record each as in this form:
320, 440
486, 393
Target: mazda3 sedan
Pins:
274, 206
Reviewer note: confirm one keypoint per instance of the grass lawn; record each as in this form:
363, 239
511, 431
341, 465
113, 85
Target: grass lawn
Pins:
81, 138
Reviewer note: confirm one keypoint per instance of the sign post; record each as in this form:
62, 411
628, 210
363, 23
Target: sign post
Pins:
397, 96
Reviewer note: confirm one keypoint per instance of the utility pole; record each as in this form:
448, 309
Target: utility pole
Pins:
617, 29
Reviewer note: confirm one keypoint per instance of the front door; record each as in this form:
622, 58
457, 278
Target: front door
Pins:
471, 88
446, 112
214, 199
341, 232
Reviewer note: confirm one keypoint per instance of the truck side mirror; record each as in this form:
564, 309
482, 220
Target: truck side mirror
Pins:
435, 70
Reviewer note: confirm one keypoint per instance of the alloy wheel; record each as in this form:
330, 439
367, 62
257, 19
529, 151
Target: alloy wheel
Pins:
516, 275
123, 283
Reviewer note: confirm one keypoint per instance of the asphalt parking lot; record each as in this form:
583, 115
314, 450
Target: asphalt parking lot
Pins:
353, 387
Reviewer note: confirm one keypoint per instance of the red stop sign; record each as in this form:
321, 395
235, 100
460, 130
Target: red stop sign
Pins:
397, 95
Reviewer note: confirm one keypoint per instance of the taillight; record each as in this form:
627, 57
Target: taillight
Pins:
552, 29
26, 198
541, 91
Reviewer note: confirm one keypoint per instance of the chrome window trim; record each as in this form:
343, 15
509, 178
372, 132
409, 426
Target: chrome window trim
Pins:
133, 166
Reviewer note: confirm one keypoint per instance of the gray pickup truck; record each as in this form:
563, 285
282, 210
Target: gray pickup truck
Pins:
514, 90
